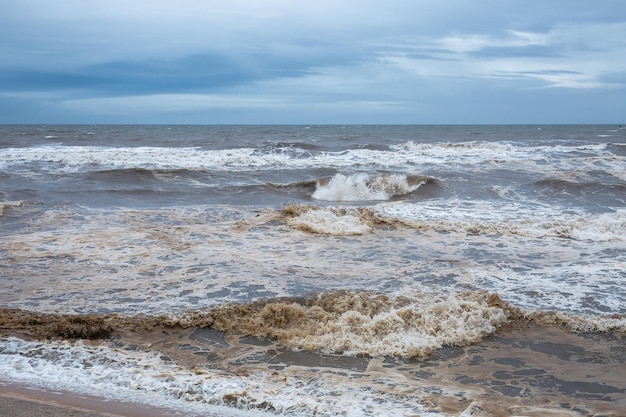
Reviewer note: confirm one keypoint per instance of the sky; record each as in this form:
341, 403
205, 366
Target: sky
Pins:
308, 62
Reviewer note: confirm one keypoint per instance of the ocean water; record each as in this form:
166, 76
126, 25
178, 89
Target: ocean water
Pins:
318, 270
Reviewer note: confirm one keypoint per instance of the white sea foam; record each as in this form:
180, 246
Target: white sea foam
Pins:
134, 376
176, 259
489, 151
484, 217
546, 258
478, 154
78, 158
564, 284
145, 377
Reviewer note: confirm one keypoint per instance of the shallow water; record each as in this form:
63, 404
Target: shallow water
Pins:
320, 270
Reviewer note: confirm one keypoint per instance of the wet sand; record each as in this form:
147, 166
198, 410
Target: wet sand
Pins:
24, 401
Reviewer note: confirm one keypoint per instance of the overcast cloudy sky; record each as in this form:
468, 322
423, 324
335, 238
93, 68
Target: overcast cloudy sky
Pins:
322, 61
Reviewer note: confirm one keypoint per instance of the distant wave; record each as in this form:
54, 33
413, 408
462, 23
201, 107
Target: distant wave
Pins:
581, 188
130, 176
92, 158
285, 146
607, 189
120, 174
298, 155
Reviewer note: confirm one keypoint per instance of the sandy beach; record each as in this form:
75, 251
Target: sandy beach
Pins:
23, 401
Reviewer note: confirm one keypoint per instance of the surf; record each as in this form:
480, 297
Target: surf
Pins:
368, 187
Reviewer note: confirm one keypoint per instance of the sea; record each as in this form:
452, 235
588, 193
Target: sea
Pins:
310, 270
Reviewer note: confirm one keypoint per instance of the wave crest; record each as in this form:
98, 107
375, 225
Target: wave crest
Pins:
351, 323
342, 322
361, 323
364, 187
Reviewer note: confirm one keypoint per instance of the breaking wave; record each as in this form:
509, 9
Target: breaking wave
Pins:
6, 205
350, 323
365, 187
329, 220
361, 323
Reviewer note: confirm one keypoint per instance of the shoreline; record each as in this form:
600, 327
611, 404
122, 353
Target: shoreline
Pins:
21, 400
525, 367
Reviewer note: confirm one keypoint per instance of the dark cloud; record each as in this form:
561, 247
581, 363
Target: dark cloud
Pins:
207, 72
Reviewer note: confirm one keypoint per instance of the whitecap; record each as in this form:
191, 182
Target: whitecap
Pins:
365, 187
